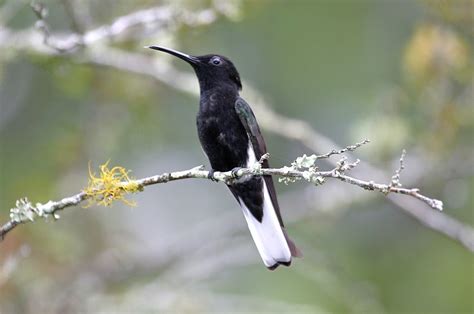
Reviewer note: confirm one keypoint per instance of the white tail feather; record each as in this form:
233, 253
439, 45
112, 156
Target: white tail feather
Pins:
268, 234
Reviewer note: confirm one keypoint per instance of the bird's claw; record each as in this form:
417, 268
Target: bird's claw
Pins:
210, 175
234, 172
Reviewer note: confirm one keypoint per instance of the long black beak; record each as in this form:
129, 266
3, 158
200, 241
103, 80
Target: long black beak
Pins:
190, 59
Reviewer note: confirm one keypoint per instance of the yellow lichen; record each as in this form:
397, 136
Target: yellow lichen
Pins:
110, 185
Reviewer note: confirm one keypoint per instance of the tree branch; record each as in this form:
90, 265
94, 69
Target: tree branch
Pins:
303, 168
131, 26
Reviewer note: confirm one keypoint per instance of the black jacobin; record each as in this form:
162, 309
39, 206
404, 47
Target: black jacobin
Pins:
231, 138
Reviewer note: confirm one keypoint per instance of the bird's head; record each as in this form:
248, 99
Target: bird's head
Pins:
211, 70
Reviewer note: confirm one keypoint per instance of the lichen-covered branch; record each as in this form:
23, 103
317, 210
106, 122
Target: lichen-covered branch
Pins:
113, 184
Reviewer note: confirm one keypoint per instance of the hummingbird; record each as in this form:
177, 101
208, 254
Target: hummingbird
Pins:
231, 138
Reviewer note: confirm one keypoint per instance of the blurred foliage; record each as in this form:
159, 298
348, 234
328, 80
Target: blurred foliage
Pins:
438, 66
397, 72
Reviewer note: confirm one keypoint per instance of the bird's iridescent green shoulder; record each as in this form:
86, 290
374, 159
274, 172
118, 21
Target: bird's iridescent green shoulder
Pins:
250, 124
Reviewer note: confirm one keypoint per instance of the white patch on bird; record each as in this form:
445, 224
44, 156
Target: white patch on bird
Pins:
221, 137
251, 158
267, 235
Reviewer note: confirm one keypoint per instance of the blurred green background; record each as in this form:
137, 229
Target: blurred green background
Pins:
396, 72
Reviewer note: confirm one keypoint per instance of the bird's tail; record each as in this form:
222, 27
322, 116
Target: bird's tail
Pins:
272, 241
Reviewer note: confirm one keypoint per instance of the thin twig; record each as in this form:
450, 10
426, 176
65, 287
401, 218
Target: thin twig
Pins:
396, 177
341, 151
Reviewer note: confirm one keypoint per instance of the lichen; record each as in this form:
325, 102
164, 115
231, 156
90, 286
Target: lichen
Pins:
110, 185
304, 162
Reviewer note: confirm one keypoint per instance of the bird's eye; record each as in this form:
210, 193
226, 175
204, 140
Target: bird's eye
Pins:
216, 61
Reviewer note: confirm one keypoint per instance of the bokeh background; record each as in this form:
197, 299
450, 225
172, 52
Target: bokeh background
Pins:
396, 72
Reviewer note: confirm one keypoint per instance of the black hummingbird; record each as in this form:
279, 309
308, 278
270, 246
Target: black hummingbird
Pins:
231, 138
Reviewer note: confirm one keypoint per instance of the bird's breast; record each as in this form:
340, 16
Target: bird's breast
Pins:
222, 136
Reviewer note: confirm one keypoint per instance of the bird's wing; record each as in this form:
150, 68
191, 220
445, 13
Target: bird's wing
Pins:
250, 124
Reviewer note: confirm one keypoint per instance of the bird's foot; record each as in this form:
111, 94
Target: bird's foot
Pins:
234, 172
210, 175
